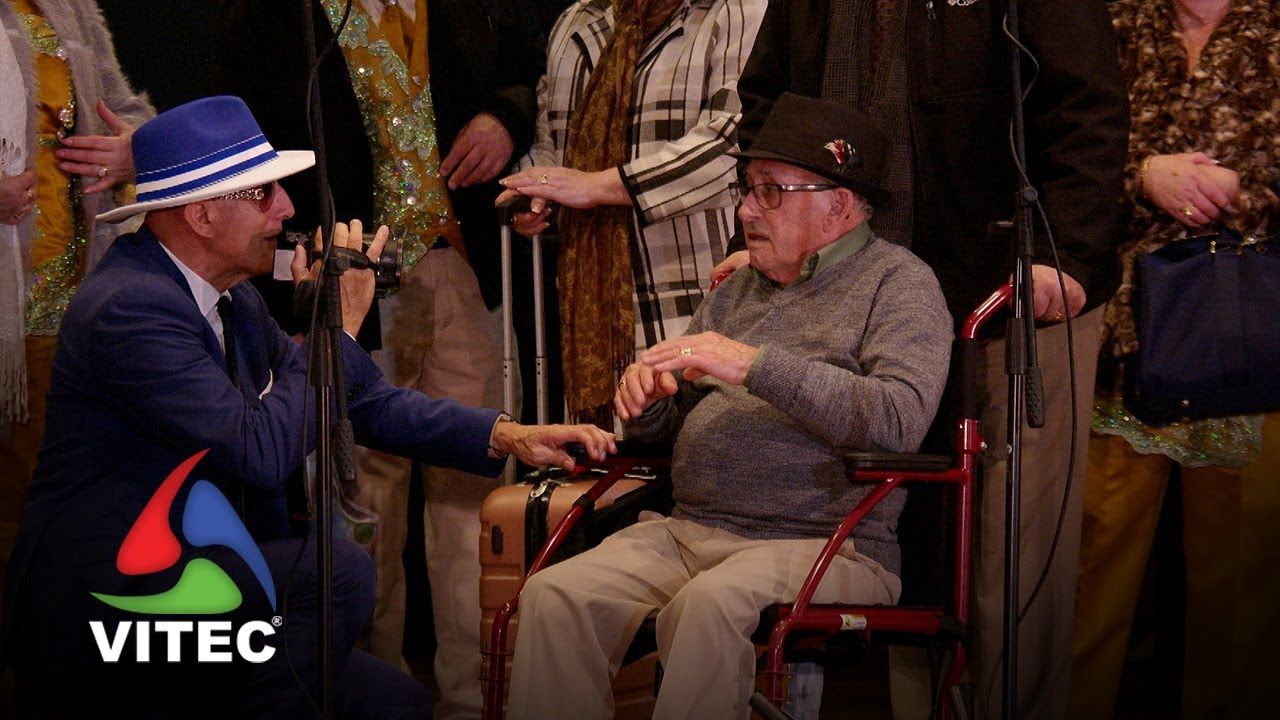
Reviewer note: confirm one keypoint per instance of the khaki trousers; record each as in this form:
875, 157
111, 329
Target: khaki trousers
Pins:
1231, 545
1045, 634
437, 337
708, 587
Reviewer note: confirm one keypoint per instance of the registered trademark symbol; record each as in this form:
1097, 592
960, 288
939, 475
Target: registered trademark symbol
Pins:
277, 621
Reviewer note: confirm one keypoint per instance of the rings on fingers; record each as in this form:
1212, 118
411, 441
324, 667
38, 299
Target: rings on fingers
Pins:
102, 171
30, 196
622, 383
543, 180
1188, 211
686, 351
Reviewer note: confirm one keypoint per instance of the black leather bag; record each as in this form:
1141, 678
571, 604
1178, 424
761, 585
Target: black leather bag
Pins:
1208, 321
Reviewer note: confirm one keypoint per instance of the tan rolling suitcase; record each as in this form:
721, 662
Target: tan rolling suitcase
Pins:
516, 520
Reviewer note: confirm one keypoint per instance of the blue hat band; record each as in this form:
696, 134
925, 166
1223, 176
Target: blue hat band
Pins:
177, 181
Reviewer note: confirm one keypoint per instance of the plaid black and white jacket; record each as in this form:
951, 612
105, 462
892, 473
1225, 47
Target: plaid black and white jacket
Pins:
684, 119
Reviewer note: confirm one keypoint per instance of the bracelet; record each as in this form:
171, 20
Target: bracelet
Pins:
1142, 174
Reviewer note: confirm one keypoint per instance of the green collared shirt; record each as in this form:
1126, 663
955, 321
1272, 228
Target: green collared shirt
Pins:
847, 244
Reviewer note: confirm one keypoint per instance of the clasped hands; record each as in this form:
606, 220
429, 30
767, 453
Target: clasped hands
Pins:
652, 376
1192, 187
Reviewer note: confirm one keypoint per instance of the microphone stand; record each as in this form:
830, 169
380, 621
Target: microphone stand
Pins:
1026, 390
335, 444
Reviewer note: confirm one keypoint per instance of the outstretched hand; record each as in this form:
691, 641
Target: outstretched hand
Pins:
540, 445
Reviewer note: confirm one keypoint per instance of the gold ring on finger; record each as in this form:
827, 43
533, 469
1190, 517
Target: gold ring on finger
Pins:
686, 351
1188, 211
543, 180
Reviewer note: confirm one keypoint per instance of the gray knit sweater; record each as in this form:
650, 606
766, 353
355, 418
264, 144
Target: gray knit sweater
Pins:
854, 357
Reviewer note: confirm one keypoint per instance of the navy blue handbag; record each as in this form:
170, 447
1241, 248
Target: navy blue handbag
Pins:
1207, 310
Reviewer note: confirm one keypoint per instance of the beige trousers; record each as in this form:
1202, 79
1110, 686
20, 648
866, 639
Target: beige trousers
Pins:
1045, 635
1231, 545
437, 337
708, 587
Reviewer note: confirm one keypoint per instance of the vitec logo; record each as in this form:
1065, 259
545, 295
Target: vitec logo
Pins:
202, 589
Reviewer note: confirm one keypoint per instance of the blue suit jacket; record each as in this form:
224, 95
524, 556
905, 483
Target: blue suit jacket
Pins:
139, 385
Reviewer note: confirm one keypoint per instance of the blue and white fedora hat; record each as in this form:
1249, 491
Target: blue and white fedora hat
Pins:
201, 150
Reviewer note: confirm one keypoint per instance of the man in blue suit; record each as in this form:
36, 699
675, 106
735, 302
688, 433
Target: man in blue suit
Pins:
165, 352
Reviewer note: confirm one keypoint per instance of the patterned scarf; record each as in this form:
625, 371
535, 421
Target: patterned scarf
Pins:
597, 317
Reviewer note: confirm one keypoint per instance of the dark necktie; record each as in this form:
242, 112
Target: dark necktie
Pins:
227, 313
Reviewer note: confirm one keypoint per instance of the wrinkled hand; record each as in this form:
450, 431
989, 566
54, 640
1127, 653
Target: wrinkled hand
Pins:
104, 160
707, 353
357, 285
1191, 187
736, 260
540, 445
571, 188
640, 387
481, 150
1047, 295
17, 196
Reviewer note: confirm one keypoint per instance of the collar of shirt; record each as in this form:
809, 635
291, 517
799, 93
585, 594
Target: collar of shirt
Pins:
844, 246
206, 295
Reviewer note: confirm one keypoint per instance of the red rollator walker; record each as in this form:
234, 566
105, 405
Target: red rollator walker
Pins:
803, 623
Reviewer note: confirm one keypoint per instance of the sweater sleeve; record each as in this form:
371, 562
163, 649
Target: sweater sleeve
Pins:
904, 357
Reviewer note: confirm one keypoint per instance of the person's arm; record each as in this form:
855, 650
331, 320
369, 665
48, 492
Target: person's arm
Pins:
652, 404
513, 100
889, 406
101, 152
1078, 137
903, 357
156, 369
692, 173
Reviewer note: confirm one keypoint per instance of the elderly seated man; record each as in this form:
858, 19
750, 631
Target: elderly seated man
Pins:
834, 340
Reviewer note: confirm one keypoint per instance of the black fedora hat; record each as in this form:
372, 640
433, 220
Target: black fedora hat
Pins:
825, 137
